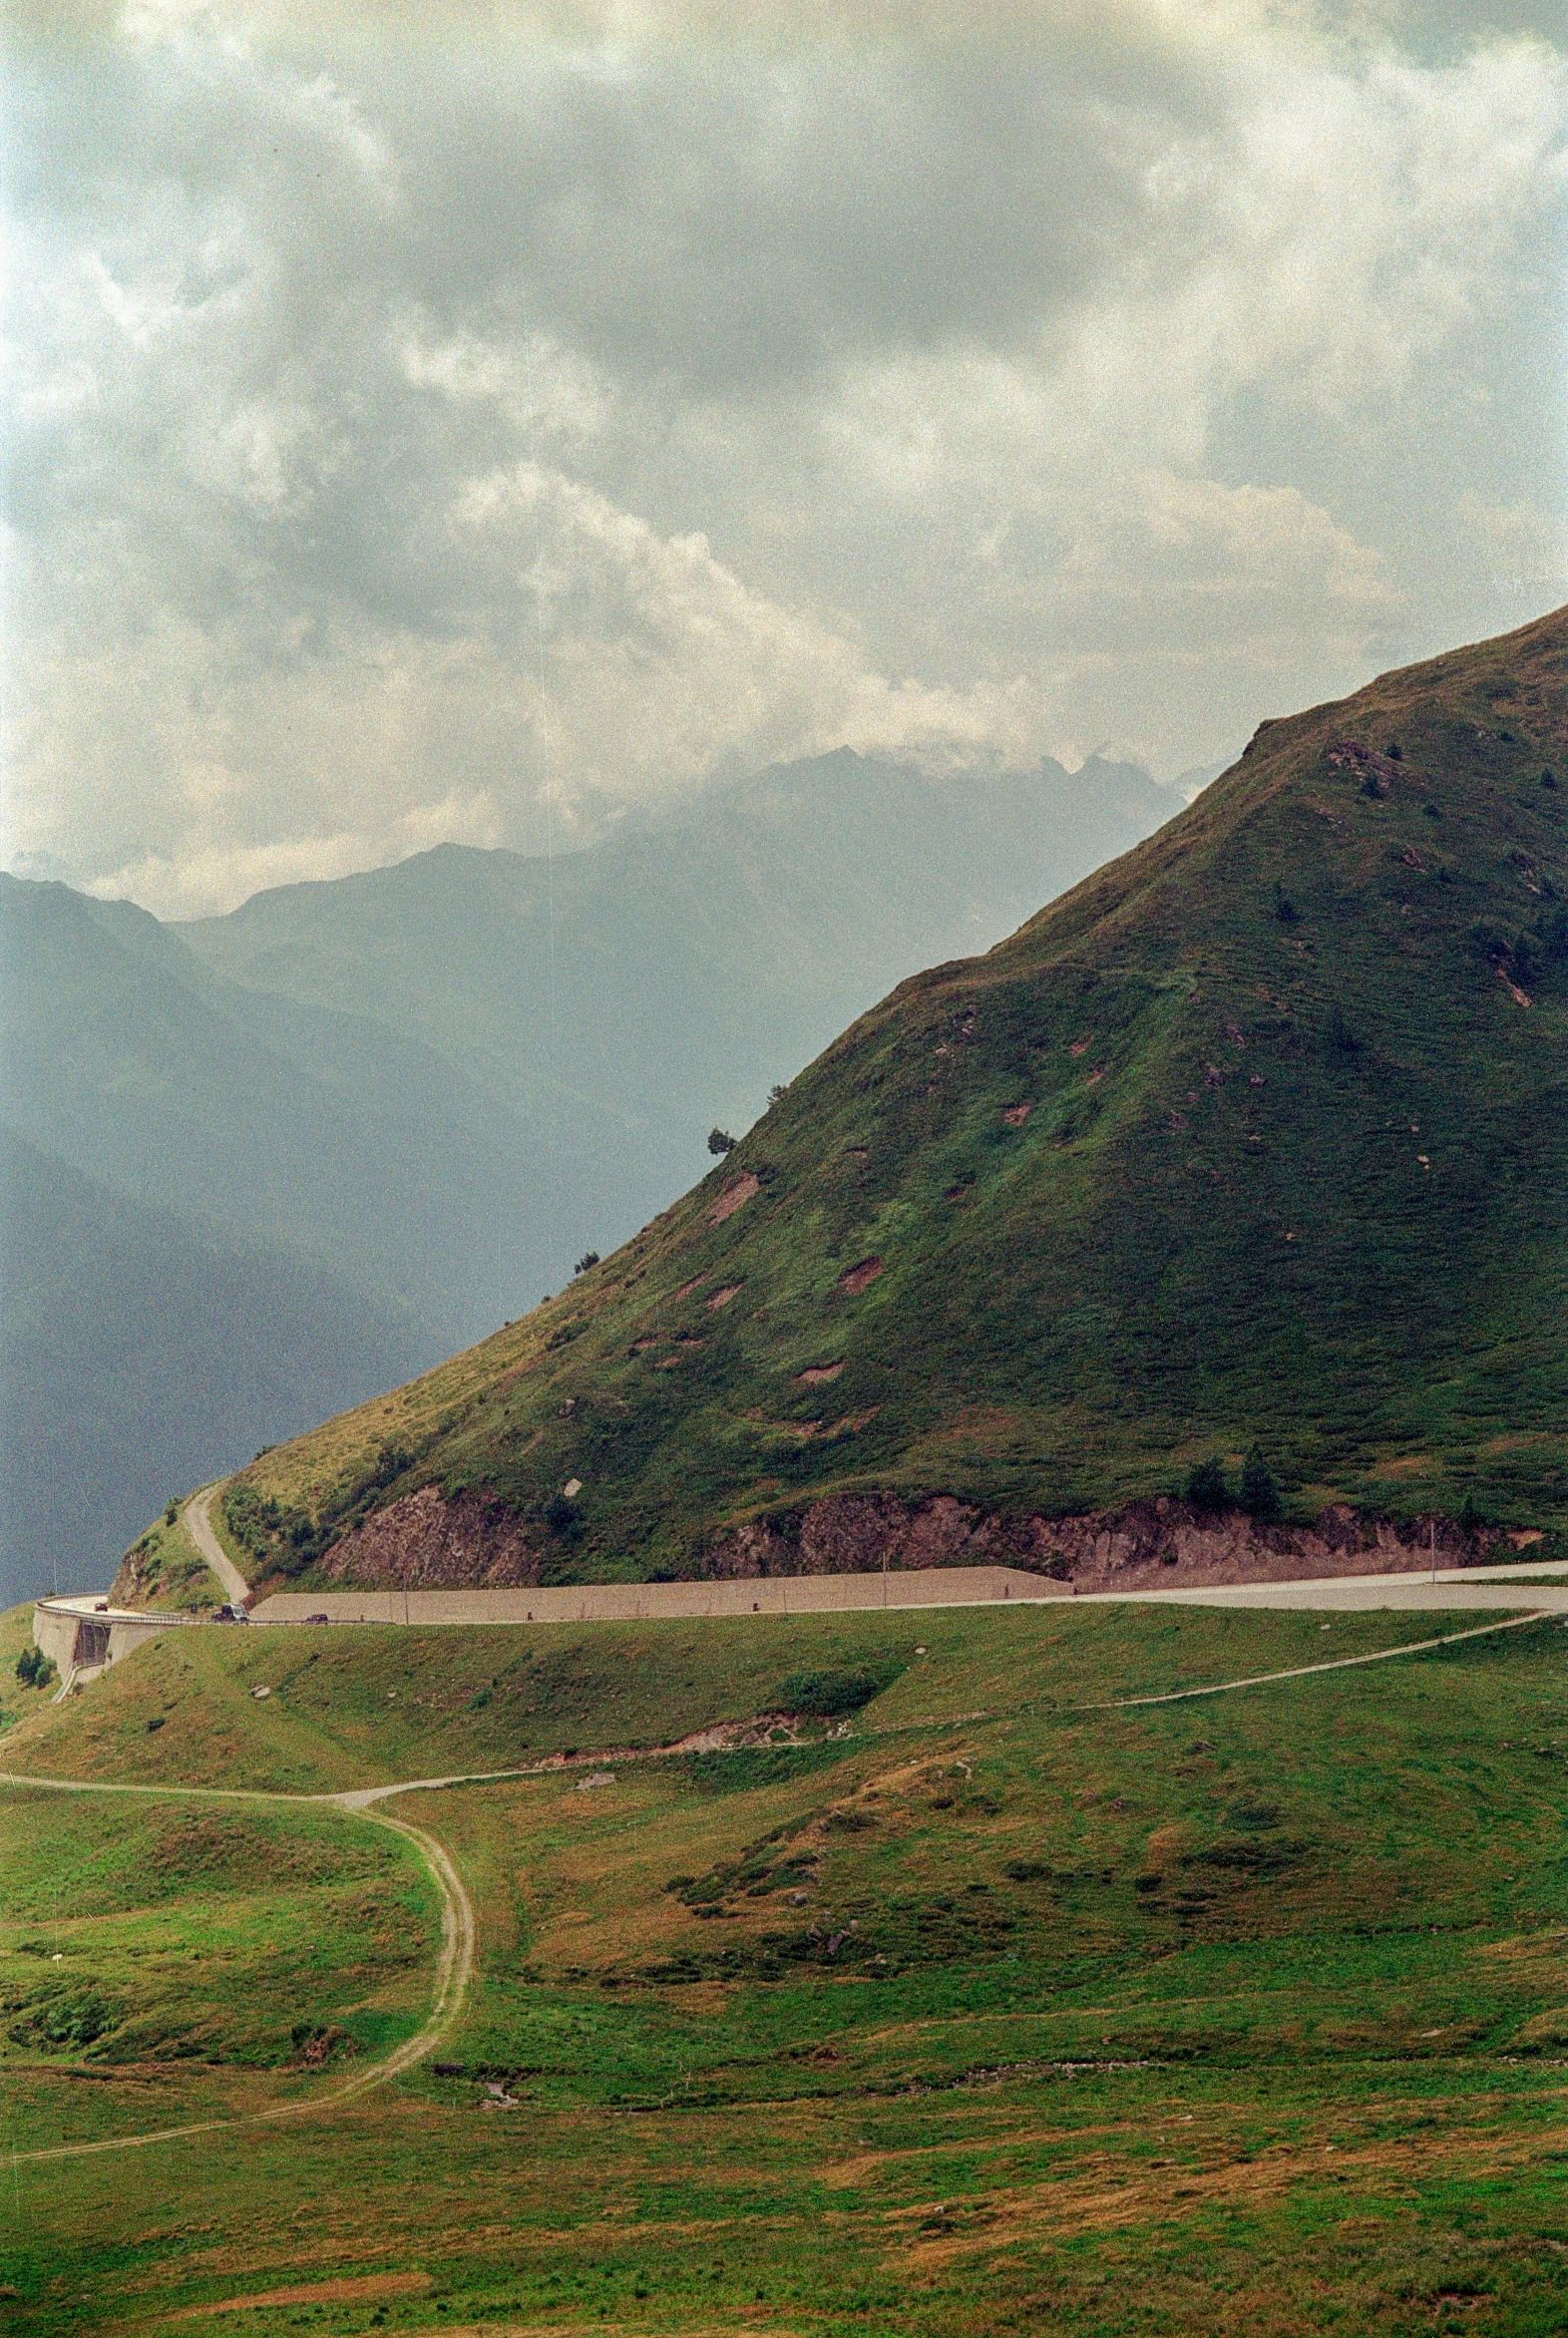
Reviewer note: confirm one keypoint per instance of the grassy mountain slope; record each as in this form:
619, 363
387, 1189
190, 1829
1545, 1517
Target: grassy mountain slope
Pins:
359, 1149
314, 1131
619, 1001
1259, 1134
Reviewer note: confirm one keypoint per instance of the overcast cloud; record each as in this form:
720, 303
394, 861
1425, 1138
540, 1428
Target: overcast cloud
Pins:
409, 426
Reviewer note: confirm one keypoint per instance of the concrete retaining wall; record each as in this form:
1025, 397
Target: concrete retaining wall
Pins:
603, 1602
83, 1632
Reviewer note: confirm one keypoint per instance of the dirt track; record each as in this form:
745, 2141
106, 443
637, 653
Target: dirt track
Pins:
454, 1965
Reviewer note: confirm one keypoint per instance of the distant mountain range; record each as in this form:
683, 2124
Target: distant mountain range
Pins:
262, 1165
1255, 1143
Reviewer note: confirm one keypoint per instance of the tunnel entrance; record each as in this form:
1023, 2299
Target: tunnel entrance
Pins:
92, 1644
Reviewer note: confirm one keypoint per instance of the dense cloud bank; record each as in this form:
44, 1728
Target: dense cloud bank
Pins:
436, 433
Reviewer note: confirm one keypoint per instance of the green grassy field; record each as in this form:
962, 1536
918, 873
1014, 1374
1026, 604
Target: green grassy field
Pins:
1001, 2012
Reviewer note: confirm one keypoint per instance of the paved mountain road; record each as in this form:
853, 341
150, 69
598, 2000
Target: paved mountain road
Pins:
906, 1589
198, 1519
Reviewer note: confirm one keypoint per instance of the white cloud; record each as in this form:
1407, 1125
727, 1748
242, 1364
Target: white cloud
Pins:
1125, 372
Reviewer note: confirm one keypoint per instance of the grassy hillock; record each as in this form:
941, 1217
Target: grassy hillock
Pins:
144, 1932
1258, 1136
365, 1704
1005, 2010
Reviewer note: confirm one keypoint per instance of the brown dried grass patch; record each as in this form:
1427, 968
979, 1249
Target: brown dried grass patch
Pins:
1108, 2195
361, 2288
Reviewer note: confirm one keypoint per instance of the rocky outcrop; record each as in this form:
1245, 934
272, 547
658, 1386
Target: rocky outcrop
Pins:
853, 1534
425, 1540
1154, 1543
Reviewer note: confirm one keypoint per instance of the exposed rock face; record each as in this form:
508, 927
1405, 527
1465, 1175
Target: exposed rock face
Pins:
129, 1586
1157, 1542
424, 1539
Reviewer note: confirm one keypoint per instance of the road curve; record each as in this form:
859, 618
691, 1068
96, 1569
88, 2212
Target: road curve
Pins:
198, 1517
454, 1971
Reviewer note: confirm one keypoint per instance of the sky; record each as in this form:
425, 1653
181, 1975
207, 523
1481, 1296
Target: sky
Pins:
464, 424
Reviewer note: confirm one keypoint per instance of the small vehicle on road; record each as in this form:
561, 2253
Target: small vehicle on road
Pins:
230, 1613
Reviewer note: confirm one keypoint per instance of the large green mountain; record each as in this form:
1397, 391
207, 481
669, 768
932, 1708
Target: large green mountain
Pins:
1258, 1136
615, 1004
269, 1164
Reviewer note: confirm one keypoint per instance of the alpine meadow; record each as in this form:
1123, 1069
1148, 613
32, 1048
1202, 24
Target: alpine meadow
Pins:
784, 1170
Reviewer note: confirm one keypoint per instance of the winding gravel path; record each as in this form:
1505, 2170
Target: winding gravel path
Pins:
1334, 1664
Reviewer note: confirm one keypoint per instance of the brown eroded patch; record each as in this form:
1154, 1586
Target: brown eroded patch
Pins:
722, 1297
1077, 1046
1109, 2189
685, 1288
1545, 2029
816, 1372
730, 1200
1165, 1846
1526, 1948
859, 1276
848, 1423
357, 2287
1016, 1115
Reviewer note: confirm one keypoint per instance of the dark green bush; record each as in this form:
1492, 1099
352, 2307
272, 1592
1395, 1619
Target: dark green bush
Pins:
563, 1518
1205, 1488
35, 1670
1341, 1040
828, 1694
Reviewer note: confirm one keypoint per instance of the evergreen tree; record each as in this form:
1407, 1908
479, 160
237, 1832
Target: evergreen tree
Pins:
1260, 1495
